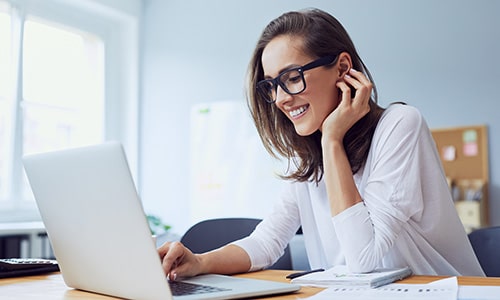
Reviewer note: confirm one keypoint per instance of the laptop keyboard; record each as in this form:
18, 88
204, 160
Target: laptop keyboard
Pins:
180, 288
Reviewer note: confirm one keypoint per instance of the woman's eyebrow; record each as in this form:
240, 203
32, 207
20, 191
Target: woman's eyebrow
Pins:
284, 69
288, 67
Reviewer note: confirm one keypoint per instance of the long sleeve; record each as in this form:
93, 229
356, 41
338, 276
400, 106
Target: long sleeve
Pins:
269, 239
407, 216
390, 194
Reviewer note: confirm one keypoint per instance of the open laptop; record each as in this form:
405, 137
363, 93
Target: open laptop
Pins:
99, 232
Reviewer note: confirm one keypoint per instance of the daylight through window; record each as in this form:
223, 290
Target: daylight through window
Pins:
51, 95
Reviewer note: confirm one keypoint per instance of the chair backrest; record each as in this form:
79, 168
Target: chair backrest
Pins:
213, 233
486, 244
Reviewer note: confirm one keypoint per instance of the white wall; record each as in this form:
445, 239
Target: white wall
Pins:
440, 56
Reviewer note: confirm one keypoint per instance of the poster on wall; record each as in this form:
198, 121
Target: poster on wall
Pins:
231, 174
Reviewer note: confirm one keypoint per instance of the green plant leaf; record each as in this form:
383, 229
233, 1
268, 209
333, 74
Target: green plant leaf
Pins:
156, 225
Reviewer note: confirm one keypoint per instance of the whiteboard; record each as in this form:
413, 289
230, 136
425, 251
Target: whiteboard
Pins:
231, 173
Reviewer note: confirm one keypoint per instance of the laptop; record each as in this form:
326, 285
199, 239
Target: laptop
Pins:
99, 232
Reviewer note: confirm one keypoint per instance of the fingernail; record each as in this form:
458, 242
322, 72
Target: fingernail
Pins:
347, 76
352, 69
175, 276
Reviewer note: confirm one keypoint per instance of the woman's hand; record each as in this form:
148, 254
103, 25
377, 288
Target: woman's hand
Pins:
178, 261
350, 110
340, 187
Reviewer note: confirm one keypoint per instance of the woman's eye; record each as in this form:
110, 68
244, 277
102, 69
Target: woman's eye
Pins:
294, 79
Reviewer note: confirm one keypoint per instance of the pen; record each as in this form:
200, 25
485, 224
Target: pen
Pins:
298, 274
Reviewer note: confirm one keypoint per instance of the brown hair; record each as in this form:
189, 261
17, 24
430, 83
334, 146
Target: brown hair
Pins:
322, 35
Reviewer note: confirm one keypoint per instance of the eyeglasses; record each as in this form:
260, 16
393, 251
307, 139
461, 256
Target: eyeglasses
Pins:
291, 81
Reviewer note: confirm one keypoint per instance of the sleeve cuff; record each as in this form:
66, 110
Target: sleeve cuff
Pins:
347, 215
253, 250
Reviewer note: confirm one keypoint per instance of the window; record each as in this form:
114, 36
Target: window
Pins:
60, 87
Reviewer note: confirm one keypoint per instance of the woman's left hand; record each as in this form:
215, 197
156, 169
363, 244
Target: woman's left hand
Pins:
350, 110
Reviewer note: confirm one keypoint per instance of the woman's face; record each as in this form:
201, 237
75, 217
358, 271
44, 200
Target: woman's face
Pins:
306, 110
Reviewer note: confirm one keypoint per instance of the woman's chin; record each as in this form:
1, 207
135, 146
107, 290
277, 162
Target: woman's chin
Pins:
304, 131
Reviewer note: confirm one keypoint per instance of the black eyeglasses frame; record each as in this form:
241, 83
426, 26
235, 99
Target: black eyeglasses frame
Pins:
322, 61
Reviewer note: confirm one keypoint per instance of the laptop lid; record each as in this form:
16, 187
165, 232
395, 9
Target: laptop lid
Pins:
98, 230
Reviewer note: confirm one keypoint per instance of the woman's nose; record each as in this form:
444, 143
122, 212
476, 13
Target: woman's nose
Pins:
282, 96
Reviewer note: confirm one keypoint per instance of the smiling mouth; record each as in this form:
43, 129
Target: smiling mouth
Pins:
299, 111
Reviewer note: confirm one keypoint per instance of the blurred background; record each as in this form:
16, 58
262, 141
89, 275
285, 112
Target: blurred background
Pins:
166, 78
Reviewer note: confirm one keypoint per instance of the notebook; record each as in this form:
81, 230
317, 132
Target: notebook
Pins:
340, 276
99, 233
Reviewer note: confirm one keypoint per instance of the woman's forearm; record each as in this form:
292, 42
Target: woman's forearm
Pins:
230, 259
340, 187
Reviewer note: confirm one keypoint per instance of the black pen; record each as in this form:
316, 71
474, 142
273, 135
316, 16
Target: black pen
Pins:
298, 274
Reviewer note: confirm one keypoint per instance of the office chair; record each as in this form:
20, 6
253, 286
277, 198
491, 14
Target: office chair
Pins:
214, 233
486, 244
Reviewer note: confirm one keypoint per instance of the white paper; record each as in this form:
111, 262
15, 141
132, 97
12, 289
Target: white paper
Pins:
445, 289
476, 292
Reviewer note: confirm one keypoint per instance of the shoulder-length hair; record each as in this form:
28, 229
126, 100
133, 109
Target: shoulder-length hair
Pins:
321, 35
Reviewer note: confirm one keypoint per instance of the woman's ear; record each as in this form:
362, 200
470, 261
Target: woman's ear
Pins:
344, 63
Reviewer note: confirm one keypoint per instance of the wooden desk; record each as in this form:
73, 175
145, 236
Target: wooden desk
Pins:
52, 286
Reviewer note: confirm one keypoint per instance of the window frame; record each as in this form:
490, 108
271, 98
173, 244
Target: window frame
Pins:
117, 24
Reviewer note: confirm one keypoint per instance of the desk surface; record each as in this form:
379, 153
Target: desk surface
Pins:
52, 286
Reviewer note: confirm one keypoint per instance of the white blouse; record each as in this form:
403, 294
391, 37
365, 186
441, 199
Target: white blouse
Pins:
407, 217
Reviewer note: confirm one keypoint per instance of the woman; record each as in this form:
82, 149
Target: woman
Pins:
365, 183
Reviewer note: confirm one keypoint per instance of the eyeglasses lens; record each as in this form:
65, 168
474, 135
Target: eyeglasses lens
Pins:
267, 90
292, 82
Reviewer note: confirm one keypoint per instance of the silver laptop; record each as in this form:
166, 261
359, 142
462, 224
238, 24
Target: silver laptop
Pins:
99, 232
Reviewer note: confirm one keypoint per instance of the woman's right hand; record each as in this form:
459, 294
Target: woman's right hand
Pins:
350, 110
178, 261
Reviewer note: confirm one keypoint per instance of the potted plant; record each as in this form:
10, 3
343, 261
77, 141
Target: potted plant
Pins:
156, 225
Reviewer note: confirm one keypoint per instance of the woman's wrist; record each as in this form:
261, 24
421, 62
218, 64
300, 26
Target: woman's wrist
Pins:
203, 262
331, 144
